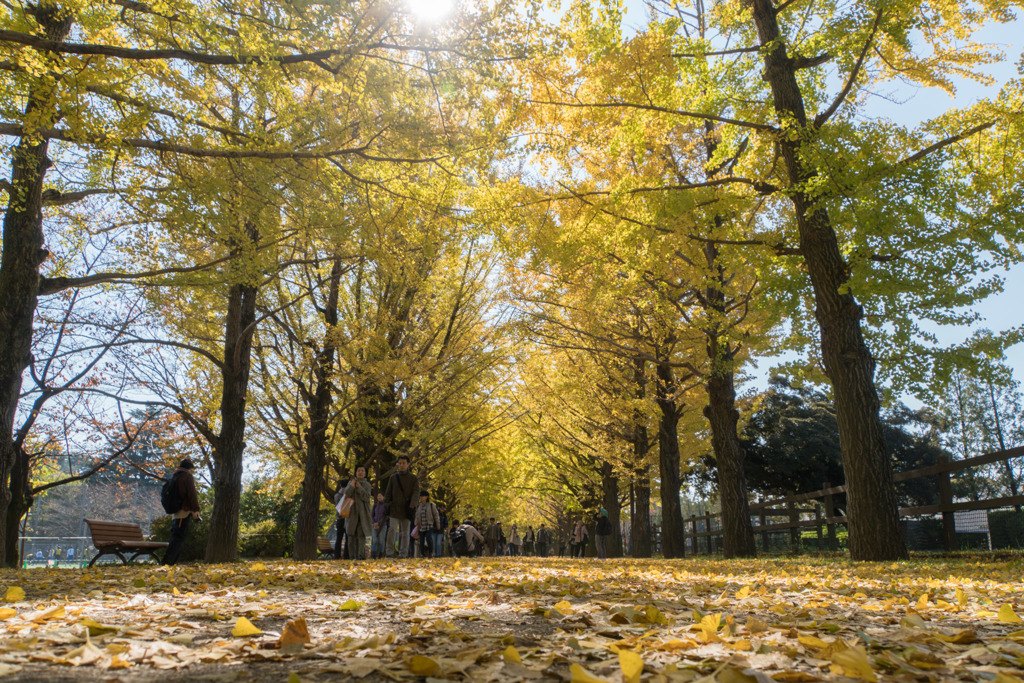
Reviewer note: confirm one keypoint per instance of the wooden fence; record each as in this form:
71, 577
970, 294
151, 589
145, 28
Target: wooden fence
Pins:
700, 532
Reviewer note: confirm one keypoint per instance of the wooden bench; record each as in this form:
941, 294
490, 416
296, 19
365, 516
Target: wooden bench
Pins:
119, 538
324, 547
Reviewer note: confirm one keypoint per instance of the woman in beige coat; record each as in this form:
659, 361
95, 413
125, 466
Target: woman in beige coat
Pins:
357, 526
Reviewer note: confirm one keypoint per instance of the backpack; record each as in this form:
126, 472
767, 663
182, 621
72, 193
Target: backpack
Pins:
604, 526
170, 496
459, 545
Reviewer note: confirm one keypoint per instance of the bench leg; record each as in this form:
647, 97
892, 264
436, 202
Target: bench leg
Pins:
110, 552
151, 553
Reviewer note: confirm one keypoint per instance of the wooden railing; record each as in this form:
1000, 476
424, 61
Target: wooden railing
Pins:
698, 527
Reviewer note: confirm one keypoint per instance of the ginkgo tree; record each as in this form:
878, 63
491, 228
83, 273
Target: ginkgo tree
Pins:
785, 87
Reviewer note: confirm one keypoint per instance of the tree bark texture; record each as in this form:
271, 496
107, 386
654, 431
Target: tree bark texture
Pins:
610, 502
318, 407
673, 541
20, 503
222, 545
737, 530
23, 254
640, 524
872, 513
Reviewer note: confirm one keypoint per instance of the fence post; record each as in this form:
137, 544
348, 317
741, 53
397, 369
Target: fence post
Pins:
830, 512
817, 523
794, 532
948, 518
764, 532
707, 528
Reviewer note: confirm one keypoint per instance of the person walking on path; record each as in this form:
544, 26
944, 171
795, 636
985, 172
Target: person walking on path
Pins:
491, 536
439, 536
357, 526
543, 539
379, 519
515, 543
474, 540
428, 520
400, 496
340, 544
602, 532
189, 510
579, 539
529, 541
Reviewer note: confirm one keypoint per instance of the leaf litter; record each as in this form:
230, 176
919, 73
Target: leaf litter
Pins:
520, 619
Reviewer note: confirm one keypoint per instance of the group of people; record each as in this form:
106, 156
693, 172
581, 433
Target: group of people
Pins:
404, 522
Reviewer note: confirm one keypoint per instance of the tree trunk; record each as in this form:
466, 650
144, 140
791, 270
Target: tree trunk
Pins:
640, 523
23, 254
610, 502
737, 530
319, 411
673, 541
20, 503
872, 513
222, 545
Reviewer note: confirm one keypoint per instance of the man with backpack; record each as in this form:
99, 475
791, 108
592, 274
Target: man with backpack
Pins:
401, 497
603, 531
543, 538
180, 500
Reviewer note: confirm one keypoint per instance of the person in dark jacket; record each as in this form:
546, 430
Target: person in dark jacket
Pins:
401, 496
340, 540
189, 510
603, 531
379, 518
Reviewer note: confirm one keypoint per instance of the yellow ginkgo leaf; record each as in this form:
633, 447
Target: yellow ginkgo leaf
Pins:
961, 598
1006, 678
423, 666
244, 627
1008, 616
811, 641
922, 602
632, 666
349, 606
258, 567
709, 625
96, 628
7, 613
581, 675
511, 655
564, 607
854, 663
14, 594
295, 633
743, 592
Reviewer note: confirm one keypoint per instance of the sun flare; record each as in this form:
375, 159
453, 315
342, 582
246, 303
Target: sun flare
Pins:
431, 10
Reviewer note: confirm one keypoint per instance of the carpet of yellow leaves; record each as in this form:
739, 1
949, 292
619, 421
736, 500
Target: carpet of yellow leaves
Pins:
520, 619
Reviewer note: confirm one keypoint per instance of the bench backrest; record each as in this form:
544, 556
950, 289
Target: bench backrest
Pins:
323, 544
109, 533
